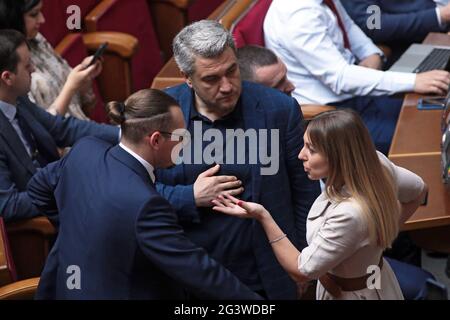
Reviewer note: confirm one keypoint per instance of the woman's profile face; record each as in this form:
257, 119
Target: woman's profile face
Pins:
314, 163
33, 19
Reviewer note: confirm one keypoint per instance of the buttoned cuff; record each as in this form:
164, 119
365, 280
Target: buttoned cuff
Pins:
399, 81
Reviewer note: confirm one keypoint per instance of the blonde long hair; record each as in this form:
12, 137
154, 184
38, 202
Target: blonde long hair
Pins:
345, 142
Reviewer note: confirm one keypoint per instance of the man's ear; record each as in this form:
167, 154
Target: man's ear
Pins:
154, 140
7, 77
187, 79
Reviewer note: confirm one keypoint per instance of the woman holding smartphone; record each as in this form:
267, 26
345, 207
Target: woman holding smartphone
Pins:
55, 86
366, 198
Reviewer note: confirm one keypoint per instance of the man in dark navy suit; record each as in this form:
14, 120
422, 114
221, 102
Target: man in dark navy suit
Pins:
118, 238
403, 22
29, 136
235, 125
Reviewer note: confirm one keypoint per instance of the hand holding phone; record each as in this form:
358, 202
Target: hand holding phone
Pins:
98, 54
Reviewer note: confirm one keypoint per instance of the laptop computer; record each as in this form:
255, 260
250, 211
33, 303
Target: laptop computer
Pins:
423, 57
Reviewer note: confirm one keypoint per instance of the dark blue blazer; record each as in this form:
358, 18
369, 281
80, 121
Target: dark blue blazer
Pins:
121, 234
288, 195
50, 132
404, 21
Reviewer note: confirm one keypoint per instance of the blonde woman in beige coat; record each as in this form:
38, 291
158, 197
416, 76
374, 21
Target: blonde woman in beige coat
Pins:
366, 198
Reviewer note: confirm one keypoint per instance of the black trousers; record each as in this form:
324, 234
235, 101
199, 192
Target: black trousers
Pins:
404, 249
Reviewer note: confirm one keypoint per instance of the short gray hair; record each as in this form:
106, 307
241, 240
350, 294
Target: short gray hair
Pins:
252, 57
205, 38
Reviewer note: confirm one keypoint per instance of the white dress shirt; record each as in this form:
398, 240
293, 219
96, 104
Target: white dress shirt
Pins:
10, 113
145, 163
306, 36
440, 3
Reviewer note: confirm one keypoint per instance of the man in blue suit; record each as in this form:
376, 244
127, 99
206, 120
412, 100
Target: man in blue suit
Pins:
403, 22
118, 238
29, 136
218, 110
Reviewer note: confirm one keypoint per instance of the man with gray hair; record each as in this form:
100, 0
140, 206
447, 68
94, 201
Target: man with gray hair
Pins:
215, 100
261, 65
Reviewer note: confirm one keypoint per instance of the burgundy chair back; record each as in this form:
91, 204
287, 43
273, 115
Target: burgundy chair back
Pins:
133, 17
54, 29
7, 268
85, 5
55, 12
249, 28
201, 9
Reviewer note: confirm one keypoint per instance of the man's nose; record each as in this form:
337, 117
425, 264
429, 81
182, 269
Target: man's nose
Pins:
225, 85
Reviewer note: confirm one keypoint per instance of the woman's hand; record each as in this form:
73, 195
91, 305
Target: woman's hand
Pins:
234, 207
81, 76
97, 66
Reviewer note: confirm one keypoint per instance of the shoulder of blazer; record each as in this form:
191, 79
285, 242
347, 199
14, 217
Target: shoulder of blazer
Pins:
179, 91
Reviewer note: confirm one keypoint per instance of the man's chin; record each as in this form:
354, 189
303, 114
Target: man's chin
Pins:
170, 166
228, 105
26, 90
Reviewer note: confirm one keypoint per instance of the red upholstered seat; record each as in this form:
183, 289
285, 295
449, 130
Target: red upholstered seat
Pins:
54, 29
249, 28
133, 17
8, 272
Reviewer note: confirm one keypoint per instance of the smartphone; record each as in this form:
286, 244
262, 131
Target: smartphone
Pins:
98, 54
431, 103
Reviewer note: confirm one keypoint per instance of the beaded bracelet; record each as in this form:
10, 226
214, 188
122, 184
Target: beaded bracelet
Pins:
278, 239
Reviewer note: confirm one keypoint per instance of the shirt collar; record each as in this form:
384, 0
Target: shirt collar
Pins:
8, 110
234, 115
145, 163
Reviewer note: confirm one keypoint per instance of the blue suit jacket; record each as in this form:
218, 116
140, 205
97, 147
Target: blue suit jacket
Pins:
288, 195
16, 167
402, 21
121, 234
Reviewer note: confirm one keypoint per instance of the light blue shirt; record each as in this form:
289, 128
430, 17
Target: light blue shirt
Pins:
10, 113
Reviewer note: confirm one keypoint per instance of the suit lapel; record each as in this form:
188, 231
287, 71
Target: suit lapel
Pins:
128, 160
44, 140
186, 101
12, 139
254, 118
